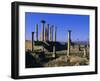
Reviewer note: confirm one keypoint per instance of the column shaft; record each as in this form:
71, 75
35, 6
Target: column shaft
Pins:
69, 42
32, 41
36, 32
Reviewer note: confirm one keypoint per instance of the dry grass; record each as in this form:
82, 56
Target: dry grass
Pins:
67, 61
28, 45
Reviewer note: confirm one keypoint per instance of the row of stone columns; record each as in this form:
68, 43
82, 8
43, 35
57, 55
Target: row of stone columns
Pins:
47, 32
45, 35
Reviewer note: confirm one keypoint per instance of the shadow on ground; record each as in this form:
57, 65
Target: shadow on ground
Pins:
31, 61
35, 60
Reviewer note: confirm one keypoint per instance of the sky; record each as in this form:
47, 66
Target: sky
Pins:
78, 24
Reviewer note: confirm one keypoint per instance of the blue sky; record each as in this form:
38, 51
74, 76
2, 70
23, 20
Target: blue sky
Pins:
79, 24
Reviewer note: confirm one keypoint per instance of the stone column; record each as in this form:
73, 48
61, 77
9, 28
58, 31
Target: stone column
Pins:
84, 55
54, 52
51, 33
43, 29
68, 45
36, 32
47, 32
54, 47
55, 34
32, 41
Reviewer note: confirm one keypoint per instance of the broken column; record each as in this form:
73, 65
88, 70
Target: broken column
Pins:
69, 42
36, 32
32, 41
84, 55
54, 52
43, 30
